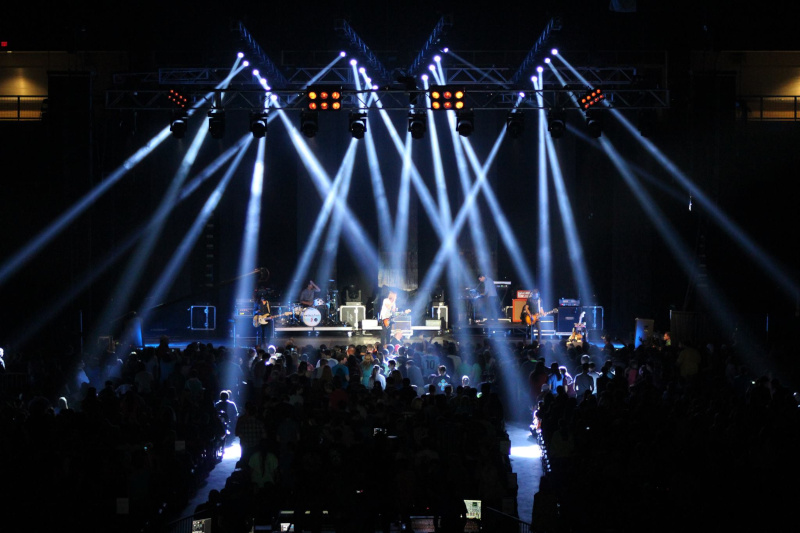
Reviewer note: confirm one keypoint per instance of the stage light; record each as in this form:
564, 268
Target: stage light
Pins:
353, 62
444, 97
591, 98
240, 55
424, 77
547, 60
556, 123
437, 58
445, 50
245, 63
258, 124
554, 51
515, 123
594, 124
417, 124
177, 98
255, 72
178, 124
358, 124
539, 69
309, 123
324, 98
342, 53
216, 124
465, 123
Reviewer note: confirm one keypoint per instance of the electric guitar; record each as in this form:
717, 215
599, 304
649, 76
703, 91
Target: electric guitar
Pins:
263, 320
389, 320
535, 318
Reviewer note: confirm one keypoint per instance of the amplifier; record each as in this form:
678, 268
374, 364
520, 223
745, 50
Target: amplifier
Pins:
566, 318
244, 307
569, 302
524, 295
516, 308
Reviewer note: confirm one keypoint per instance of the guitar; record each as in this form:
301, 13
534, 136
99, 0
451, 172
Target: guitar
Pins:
389, 320
535, 318
263, 320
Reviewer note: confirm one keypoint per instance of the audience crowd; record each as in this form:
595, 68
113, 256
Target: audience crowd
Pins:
659, 437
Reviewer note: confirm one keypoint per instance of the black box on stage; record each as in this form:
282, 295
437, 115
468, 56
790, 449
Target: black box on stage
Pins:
566, 318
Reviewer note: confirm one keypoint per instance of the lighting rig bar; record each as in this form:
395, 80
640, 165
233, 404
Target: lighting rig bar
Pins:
390, 100
299, 78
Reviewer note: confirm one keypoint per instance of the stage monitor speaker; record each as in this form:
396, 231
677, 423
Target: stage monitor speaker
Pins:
566, 318
516, 308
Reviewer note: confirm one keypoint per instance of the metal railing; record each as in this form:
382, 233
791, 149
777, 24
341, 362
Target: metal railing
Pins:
768, 108
22, 108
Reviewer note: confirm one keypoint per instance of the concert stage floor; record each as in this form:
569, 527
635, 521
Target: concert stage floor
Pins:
337, 335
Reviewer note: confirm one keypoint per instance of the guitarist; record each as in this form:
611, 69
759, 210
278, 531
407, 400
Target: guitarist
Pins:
388, 310
535, 307
526, 317
262, 321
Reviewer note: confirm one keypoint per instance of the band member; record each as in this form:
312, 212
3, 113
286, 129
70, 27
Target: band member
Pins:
307, 295
526, 317
262, 322
388, 309
488, 292
535, 307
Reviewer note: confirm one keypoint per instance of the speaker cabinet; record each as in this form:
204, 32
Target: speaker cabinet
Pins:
566, 318
516, 308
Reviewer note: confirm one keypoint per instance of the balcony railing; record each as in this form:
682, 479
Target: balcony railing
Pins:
768, 108
22, 108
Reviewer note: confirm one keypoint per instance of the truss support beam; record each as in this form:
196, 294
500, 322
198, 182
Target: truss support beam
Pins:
377, 71
553, 25
265, 64
434, 38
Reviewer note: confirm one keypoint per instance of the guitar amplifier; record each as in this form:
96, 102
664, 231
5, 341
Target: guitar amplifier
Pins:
516, 308
244, 307
403, 323
567, 316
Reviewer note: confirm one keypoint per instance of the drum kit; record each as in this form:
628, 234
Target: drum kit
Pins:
322, 312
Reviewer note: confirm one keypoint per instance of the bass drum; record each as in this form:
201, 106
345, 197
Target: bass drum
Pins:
311, 317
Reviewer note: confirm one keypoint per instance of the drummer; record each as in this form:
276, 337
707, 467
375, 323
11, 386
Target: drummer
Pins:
307, 294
